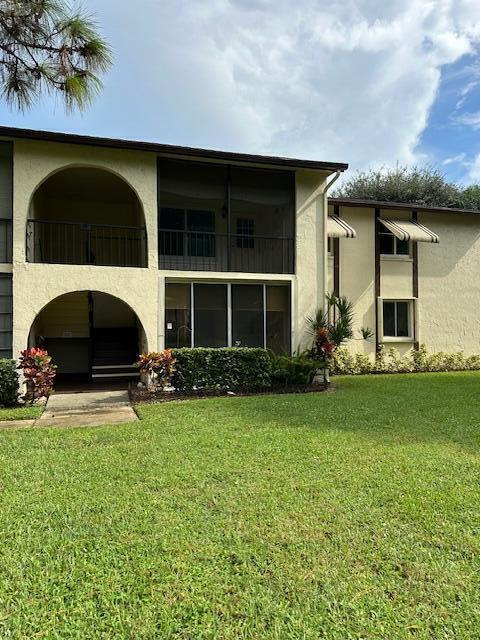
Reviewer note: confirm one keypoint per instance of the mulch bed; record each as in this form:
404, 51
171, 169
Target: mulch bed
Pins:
142, 395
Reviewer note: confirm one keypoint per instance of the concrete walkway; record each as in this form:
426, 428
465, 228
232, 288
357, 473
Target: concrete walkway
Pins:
89, 408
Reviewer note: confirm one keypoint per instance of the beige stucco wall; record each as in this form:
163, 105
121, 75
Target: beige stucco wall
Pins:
449, 287
35, 285
449, 283
357, 273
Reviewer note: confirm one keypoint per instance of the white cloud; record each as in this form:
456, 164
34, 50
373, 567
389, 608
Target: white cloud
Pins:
458, 159
348, 80
469, 119
345, 80
474, 172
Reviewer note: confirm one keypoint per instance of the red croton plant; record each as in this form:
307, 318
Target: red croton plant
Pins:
38, 371
159, 368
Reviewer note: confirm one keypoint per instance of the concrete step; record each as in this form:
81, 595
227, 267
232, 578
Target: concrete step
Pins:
115, 372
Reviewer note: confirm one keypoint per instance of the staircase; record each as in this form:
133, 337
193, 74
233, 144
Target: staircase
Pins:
114, 354
115, 372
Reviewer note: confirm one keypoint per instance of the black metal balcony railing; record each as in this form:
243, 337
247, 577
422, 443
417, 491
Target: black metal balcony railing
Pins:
207, 251
61, 242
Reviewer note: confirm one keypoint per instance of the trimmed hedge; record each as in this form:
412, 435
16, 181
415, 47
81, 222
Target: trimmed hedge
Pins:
224, 369
294, 370
9, 387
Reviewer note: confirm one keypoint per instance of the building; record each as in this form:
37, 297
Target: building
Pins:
411, 272
112, 247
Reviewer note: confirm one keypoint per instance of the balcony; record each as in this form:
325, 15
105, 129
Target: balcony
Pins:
61, 242
209, 251
86, 216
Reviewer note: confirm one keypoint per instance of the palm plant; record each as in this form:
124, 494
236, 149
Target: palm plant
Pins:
330, 326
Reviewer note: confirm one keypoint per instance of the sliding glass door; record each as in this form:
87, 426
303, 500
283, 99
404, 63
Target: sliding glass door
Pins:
227, 314
210, 315
247, 315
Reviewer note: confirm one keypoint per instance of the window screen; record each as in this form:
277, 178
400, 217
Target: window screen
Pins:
192, 200
266, 197
278, 319
6, 304
6, 201
210, 314
177, 315
247, 315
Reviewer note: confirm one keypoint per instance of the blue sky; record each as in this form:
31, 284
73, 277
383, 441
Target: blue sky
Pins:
369, 82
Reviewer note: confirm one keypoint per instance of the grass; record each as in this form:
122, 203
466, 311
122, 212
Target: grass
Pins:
354, 514
20, 413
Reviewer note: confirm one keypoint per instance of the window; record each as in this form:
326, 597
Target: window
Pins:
330, 246
178, 328
397, 318
191, 232
390, 245
245, 233
224, 314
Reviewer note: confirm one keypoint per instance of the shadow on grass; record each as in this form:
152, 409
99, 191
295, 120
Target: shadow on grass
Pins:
398, 408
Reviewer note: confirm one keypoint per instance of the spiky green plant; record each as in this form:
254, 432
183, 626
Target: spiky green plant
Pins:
330, 326
46, 46
336, 318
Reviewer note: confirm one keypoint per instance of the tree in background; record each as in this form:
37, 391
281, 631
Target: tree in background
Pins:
46, 47
471, 197
418, 185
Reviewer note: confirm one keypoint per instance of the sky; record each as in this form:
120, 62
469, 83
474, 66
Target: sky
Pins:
369, 82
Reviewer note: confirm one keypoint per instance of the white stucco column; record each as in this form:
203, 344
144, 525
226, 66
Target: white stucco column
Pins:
310, 250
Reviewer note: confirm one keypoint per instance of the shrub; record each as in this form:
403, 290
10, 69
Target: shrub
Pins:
38, 371
225, 369
299, 369
159, 368
330, 327
390, 361
8, 383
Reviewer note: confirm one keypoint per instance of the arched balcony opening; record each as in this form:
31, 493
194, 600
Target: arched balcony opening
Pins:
86, 216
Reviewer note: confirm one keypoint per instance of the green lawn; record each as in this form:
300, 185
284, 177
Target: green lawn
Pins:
353, 514
20, 413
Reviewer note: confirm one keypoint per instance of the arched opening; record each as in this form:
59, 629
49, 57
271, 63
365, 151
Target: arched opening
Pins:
85, 215
92, 336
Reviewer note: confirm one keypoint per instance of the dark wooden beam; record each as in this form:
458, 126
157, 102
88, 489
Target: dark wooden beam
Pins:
415, 277
377, 277
336, 257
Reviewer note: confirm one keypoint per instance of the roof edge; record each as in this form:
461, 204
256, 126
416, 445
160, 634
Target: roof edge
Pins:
156, 147
380, 204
